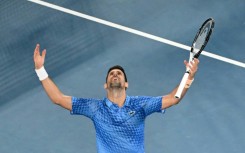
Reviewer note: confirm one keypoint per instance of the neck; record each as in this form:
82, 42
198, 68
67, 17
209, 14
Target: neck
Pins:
117, 96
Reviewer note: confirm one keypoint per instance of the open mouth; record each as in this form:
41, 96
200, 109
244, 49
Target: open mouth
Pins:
115, 78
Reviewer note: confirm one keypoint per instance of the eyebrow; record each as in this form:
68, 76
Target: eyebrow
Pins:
112, 71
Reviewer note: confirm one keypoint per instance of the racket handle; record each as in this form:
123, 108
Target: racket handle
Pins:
182, 85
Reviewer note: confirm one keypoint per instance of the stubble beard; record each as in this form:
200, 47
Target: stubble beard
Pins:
116, 88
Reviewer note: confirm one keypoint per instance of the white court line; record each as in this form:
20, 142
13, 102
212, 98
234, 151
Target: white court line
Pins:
137, 32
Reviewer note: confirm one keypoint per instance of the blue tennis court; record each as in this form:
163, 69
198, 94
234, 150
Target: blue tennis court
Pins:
210, 118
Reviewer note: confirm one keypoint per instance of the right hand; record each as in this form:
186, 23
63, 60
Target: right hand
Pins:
39, 59
193, 66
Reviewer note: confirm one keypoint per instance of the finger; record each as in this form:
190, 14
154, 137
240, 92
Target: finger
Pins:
44, 53
37, 48
192, 63
36, 51
185, 62
189, 64
196, 60
193, 68
195, 64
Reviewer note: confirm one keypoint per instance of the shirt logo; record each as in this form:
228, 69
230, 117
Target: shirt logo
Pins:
131, 113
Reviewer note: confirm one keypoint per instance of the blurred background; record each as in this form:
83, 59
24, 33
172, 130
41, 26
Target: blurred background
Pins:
210, 119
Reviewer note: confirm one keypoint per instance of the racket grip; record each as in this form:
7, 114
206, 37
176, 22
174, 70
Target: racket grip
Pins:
182, 85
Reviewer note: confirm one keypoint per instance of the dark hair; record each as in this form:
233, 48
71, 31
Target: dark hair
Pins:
117, 67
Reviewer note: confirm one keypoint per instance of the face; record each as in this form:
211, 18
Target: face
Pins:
116, 79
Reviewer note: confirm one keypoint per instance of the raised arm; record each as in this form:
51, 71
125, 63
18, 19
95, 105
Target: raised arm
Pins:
55, 95
170, 100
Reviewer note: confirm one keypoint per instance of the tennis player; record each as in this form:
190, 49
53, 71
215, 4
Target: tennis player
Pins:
118, 119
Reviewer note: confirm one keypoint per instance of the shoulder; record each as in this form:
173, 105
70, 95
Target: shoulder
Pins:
143, 100
136, 100
76, 99
85, 106
86, 101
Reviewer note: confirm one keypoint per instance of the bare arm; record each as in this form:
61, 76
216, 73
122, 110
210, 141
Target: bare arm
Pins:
55, 95
170, 100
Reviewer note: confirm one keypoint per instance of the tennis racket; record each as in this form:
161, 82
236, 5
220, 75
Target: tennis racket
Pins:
199, 43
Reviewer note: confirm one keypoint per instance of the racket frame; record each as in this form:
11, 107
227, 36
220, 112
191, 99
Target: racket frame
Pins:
192, 56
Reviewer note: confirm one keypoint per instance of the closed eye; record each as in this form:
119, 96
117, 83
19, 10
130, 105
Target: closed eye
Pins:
111, 73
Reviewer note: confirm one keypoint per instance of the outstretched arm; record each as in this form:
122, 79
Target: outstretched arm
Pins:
170, 100
55, 95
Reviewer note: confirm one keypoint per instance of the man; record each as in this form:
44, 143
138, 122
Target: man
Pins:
118, 118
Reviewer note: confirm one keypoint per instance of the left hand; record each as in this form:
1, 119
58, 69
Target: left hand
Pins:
193, 66
39, 59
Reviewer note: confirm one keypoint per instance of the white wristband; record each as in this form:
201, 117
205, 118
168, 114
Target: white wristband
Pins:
41, 73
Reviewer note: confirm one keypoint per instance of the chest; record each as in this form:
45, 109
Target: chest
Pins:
126, 116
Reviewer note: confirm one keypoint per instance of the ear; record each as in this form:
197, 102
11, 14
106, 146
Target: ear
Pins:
126, 84
105, 86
